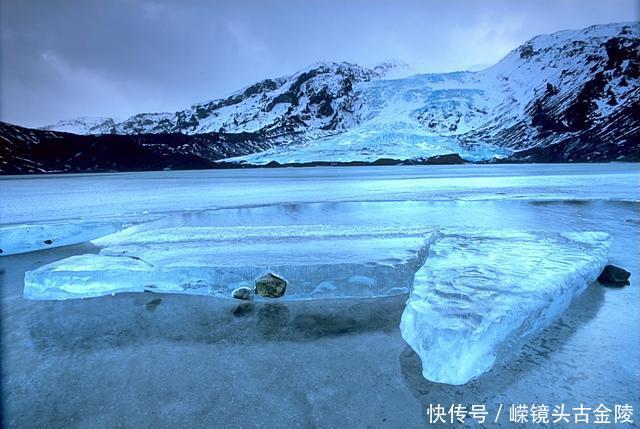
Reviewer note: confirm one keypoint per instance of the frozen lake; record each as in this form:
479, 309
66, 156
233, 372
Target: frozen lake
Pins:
144, 360
91, 196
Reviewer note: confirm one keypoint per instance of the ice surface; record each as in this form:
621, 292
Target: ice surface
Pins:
517, 197
481, 295
593, 353
30, 237
317, 261
130, 195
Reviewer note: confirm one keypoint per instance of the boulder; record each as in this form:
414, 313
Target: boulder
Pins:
612, 275
244, 293
271, 286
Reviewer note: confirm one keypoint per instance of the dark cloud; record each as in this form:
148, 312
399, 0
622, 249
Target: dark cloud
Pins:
62, 59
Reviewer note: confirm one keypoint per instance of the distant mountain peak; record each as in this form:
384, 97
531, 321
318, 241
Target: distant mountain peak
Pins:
83, 125
393, 69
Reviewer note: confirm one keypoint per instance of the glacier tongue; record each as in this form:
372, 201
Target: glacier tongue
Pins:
481, 295
318, 261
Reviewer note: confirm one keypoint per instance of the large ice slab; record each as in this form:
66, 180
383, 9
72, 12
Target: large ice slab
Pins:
25, 238
318, 261
481, 295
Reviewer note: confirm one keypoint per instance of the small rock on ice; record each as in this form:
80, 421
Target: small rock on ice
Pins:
244, 293
271, 286
615, 276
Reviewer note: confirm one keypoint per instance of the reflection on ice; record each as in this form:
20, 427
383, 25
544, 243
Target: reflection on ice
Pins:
481, 295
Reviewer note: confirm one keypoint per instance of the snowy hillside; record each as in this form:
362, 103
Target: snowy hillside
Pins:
320, 97
568, 96
83, 125
576, 89
416, 117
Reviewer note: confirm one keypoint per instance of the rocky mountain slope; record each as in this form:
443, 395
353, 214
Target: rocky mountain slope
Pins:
320, 97
573, 95
568, 96
27, 151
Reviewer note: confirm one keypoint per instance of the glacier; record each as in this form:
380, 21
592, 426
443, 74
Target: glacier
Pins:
411, 118
483, 294
317, 262
489, 114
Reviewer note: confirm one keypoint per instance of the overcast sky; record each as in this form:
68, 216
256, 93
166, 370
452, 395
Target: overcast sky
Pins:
62, 59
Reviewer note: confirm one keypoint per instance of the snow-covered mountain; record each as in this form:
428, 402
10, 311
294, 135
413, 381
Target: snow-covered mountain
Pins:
83, 125
320, 97
572, 95
568, 96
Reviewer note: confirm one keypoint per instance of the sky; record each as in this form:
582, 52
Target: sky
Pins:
61, 59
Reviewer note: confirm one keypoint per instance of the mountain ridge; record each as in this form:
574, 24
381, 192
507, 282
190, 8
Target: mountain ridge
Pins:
572, 95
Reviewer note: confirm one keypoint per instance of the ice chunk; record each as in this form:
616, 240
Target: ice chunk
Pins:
317, 261
481, 295
85, 276
31, 237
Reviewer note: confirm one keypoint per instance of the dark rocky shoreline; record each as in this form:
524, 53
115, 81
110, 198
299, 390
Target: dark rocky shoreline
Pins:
31, 151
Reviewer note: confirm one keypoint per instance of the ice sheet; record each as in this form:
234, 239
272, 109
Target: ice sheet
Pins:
481, 295
317, 261
31, 237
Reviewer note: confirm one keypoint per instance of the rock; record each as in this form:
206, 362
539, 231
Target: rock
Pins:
612, 275
153, 304
244, 293
446, 159
271, 286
